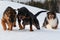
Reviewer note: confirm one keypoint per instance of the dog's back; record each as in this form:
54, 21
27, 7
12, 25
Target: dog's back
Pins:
30, 17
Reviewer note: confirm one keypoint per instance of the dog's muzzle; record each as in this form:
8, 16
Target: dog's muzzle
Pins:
11, 19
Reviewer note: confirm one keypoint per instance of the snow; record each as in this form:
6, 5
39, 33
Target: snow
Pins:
42, 1
16, 34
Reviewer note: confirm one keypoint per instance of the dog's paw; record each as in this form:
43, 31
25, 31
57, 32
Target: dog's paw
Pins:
54, 28
38, 28
21, 29
9, 29
14, 25
31, 30
44, 26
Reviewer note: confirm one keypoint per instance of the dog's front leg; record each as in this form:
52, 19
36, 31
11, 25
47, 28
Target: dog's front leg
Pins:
10, 26
4, 24
20, 26
23, 24
19, 23
14, 24
45, 22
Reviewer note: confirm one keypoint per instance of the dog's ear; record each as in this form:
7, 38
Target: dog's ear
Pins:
15, 9
18, 9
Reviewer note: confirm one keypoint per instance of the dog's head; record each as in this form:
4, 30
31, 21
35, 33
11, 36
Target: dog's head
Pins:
10, 14
12, 18
22, 13
51, 15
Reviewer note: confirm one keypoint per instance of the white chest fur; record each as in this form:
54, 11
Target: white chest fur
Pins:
51, 23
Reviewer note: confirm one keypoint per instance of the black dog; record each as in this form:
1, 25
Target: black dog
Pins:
28, 18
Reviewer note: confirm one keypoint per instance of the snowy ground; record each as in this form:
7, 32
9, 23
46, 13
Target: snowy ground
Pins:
15, 34
25, 1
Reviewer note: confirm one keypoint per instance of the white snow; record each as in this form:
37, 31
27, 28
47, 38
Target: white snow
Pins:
15, 34
42, 1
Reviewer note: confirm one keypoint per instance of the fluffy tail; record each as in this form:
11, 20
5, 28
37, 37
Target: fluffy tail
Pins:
39, 13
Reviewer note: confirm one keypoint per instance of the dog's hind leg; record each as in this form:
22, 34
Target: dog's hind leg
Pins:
31, 28
31, 25
3, 24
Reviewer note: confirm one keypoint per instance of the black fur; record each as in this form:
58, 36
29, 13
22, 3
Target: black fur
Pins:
30, 18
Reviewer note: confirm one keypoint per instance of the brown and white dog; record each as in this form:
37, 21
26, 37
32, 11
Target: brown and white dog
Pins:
51, 21
9, 18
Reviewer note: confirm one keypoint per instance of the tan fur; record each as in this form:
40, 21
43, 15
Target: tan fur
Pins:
5, 19
20, 26
31, 29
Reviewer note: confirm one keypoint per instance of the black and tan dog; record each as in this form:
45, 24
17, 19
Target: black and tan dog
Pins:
51, 21
28, 18
9, 18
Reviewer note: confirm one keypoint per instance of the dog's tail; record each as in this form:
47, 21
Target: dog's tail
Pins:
39, 13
